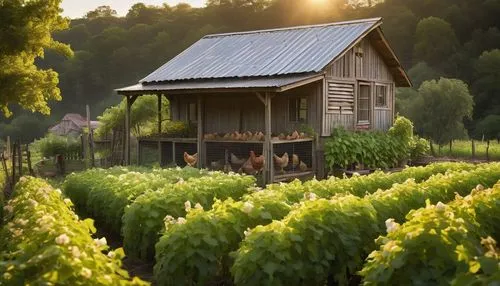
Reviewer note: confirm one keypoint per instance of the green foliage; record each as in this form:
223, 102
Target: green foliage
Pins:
486, 85
489, 127
104, 194
52, 145
441, 243
463, 150
206, 260
28, 33
143, 220
143, 116
422, 72
373, 149
328, 239
430, 31
441, 108
44, 243
26, 127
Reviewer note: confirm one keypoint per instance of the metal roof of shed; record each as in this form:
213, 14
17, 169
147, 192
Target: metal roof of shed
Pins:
277, 83
274, 52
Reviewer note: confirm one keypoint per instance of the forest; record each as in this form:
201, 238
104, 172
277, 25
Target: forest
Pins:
456, 39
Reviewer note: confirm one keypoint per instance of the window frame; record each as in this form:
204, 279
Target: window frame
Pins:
369, 104
386, 96
296, 118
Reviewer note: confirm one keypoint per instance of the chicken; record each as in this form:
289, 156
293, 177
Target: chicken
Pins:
295, 135
237, 161
282, 162
247, 168
282, 136
303, 167
257, 161
191, 160
295, 160
217, 165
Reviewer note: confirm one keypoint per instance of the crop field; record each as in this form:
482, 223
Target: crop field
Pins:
463, 149
211, 228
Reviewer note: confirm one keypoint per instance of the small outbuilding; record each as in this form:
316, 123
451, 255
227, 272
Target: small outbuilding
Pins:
274, 92
72, 124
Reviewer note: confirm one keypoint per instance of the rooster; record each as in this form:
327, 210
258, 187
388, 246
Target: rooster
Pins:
281, 162
191, 160
257, 161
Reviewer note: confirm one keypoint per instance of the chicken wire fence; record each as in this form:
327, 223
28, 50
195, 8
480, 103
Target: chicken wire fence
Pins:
172, 153
303, 152
148, 153
218, 154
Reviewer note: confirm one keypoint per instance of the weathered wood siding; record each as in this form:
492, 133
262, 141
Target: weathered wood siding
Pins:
360, 64
245, 112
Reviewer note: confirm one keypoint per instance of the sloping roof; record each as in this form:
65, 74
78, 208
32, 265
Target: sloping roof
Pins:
265, 59
271, 83
285, 51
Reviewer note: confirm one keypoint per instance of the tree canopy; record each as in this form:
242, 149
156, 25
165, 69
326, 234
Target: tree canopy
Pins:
26, 34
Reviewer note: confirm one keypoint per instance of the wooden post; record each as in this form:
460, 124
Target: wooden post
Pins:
28, 159
267, 142
91, 139
488, 150
13, 158
20, 158
201, 155
473, 149
130, 101
159, 128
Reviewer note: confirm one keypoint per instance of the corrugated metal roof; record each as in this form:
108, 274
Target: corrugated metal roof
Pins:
294, 50
235, 83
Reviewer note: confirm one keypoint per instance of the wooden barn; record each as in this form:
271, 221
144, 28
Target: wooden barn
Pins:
262, 91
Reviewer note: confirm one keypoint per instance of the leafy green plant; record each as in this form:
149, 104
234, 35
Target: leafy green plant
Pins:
52, 145
440, 243
44, 243
372, 149
143, 220
325, 240
104, 194
186, 255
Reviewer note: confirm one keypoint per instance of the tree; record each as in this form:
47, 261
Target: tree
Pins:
435, 41
487, 84
422, 72
489, 128
101, 12
440, 109
26, 33
143, 116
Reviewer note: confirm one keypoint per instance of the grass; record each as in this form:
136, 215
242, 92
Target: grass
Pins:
463, 149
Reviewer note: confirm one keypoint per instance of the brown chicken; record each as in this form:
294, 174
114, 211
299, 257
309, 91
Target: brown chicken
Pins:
191, 160
295, 135
281, 162
247, 168
295, 160
257, 161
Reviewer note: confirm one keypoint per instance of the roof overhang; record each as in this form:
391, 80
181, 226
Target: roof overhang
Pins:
381, 44
230, 85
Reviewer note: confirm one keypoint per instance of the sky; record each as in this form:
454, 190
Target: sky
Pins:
78, 8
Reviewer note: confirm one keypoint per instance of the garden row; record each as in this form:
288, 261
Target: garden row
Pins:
456, 240
43, 242
196, 249
327, 240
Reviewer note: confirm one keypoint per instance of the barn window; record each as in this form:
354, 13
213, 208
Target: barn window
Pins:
381, 95
364, 104
297, 109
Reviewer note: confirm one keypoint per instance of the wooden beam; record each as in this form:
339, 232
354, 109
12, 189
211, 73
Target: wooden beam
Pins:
267, 150
261, 98
159, 128
201, 155
130, 101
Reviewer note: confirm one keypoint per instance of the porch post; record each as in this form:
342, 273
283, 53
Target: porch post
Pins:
201, 155
267, 143
130, 101
127, 132
159, 128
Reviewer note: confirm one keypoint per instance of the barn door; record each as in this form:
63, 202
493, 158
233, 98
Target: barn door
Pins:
364, 110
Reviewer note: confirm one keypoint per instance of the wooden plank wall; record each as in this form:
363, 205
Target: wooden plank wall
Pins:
245, 112
351, 69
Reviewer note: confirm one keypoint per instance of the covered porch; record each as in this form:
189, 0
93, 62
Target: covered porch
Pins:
233, 117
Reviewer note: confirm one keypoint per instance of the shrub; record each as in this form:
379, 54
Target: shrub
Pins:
53, 145
44, 243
